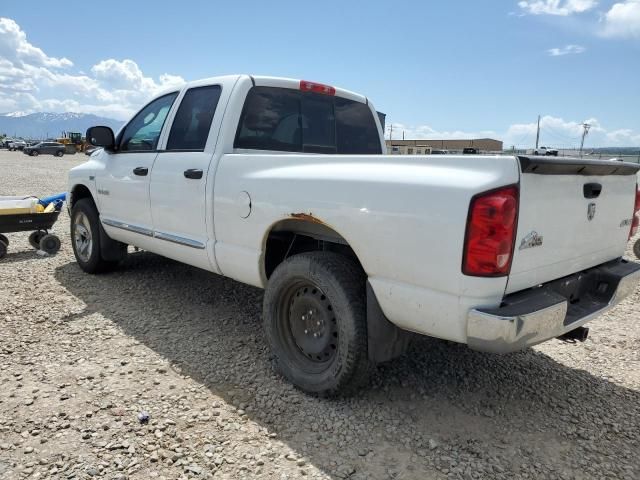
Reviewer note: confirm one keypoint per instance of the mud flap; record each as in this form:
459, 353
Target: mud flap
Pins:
386, 341
111, 250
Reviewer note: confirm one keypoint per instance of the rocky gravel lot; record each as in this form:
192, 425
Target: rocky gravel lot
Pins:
81, 356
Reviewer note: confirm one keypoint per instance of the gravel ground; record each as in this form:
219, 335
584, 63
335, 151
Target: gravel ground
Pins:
81, 356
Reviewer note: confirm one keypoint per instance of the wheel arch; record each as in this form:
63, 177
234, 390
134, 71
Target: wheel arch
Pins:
78, 192
299, 233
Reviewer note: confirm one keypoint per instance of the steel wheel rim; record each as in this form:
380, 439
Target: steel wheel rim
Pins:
309, 326
82, 237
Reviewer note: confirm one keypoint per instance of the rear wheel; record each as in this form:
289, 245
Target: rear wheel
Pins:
35, 237
3, 249
4, 239
59, 153
315, 322
85, 237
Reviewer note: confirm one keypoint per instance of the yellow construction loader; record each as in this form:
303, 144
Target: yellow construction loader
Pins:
73, 142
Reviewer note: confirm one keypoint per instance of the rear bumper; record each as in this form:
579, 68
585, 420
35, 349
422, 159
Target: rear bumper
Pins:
532, 316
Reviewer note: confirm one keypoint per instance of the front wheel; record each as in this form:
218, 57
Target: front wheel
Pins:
315, 322
85, 237
59, 153
34, 153
50, 243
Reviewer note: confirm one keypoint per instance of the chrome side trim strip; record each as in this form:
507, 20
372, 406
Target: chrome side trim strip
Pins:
126, 226
150, 233
179, 240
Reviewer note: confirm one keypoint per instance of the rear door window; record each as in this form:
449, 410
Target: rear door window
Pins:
192, 123
288, 120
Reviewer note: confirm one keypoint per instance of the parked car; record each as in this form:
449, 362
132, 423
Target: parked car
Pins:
17, 145
282, 184
50, 148
470, 151
546, 152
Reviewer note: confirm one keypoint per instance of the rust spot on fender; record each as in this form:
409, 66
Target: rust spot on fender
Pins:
307, 217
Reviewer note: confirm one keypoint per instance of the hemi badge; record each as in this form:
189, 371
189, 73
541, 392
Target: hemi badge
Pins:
531, 240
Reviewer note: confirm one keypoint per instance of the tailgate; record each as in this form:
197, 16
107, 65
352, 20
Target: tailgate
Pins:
574, 214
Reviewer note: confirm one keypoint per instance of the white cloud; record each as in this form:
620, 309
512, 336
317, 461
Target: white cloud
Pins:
554, 132
31, 80
424, 132
566, 50
622, 20
623, 137
556, 7
15, 47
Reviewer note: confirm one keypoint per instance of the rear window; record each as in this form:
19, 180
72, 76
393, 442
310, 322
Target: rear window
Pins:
292, 121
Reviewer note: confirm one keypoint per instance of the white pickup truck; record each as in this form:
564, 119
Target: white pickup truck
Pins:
282, 184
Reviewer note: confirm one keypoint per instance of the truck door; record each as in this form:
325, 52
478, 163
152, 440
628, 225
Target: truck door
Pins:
123, 187
179, 208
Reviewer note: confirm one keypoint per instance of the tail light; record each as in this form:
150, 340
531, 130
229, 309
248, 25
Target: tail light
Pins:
306, 86
635, 221
491, 230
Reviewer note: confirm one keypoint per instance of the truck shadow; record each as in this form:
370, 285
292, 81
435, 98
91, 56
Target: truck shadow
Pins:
439, 404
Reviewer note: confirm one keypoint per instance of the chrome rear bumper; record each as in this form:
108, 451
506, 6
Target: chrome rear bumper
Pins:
532, 316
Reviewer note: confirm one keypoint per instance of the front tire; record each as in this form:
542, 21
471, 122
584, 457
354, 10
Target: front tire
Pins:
34, 153
85, 237
50, 244
315, 322
59, 153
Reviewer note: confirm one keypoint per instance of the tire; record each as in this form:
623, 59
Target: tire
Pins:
636, 248
50, 243
59, 153
332, 289
4, 240
34, 153
3, 249
35, 237
85, 237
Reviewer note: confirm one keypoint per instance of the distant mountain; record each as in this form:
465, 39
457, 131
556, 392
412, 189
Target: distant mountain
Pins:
41, 125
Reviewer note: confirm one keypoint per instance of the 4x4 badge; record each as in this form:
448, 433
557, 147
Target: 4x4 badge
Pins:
531, 240
591, 211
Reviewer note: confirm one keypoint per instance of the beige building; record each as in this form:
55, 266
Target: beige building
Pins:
421, 147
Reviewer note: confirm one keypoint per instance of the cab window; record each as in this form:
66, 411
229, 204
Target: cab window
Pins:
143, 131
191, 126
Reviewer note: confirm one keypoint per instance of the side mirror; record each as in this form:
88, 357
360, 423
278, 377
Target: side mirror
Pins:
101, 137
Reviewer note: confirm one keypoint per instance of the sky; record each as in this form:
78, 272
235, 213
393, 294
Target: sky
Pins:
438, 69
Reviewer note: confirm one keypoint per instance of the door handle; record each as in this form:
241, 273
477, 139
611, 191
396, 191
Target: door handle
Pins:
141, 171
193, 173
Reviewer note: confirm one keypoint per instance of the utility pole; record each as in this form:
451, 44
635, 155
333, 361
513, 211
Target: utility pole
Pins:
585, 131
538, 133
402, 134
